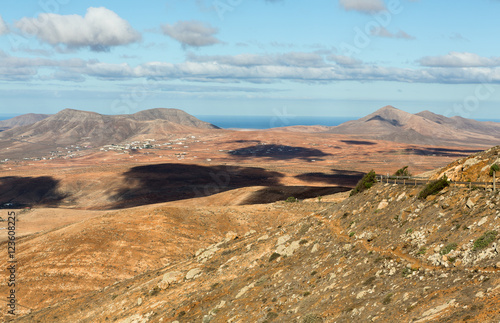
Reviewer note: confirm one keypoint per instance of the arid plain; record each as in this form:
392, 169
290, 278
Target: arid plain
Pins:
94, 215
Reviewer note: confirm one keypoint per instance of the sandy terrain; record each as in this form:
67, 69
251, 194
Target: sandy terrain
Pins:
192, 166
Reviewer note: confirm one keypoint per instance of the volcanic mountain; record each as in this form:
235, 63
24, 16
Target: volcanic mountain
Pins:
389, 123
82, 128
25, 119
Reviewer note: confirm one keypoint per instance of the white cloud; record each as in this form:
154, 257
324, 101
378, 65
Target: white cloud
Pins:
287, 59
99, 29
344, 60
4, 29
365, 6
249, 68
457, 59
383, 32
192, 33
459, 37
23, 68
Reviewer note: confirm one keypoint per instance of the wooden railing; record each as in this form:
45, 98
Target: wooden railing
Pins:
415, 180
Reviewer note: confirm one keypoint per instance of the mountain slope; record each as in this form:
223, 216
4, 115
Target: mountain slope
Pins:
389, 123
82, 128
22, 120
382, 255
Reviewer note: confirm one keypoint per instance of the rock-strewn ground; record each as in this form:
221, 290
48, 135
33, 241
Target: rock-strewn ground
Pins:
380, 256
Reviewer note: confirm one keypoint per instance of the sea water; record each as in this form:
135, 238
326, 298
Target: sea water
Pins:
266, 122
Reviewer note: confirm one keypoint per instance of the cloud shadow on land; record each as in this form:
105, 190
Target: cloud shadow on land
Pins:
444, 152
359, 142
278, 152
171, 182
29, 191
337, 177
280, 193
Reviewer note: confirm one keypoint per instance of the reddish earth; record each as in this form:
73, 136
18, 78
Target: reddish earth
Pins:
211, 163
107, 216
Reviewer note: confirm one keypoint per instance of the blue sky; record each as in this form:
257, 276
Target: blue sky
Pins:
251, 57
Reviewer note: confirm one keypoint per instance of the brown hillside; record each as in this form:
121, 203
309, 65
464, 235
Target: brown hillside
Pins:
22, 120
389, 123
90, 129
475, 168
383, 255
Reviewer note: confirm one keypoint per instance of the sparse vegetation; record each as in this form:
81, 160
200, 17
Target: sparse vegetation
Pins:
352, 234
312, 318
274, 256
387, 299
434, 187
422, 251
409, 231
369, 281
494, 168
485, 240
403, 172
407, 272
154, 291
291, 199
304, 228
365, 183
448, 248
271, 316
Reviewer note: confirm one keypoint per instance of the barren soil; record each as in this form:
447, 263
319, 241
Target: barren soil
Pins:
127, 217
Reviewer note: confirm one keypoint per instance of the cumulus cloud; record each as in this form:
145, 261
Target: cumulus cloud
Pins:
4, 29
457, 59
344, 60
248, 60
248, 68
192, 33
23, 68
99, 29
365, 6
383, 32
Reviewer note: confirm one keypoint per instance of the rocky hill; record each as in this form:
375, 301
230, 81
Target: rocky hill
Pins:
22, 120
389, 123
475, 168
90, 129
383, 255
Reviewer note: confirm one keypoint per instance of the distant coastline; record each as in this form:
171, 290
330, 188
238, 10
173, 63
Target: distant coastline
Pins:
266, 122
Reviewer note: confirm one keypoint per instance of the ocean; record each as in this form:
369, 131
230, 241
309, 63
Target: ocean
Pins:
6, 116
266, 122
